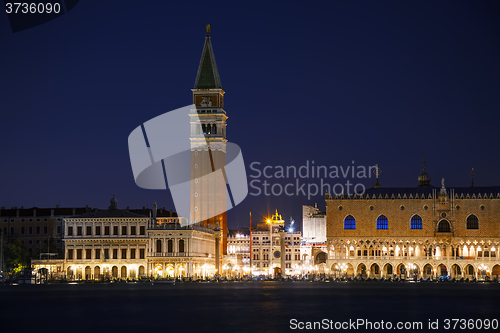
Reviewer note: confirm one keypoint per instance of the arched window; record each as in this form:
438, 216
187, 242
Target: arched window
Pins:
158, 246
214, 129
204, 128
142, 271
181, 245
472, 222
321, 258
170, 246
123, 272
444, 226
209, 129
382, 222
349, 223
416, 222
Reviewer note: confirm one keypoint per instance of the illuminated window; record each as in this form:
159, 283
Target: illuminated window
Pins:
382, 222
349, 223
472, 222
416, 222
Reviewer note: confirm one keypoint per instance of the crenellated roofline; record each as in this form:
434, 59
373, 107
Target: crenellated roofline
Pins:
492, 192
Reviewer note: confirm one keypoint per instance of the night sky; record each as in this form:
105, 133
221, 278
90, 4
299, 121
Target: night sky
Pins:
370, 82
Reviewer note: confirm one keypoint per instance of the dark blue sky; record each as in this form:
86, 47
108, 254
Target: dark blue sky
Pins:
374, 82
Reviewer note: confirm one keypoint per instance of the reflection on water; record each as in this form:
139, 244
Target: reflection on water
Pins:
243, 307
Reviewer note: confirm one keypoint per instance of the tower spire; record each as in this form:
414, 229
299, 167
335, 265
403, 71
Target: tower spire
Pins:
377, 173
208, 147
424, 179
472, 174
208, 75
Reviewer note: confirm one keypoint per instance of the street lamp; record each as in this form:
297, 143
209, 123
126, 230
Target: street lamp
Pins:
483, 269
341, 268
413, 269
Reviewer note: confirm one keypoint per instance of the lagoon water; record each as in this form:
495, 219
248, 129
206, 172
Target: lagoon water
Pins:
236, 306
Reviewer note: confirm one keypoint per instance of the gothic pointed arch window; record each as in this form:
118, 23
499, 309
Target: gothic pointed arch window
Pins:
472, 222
416, 222
349, 223
382, 222
444, 226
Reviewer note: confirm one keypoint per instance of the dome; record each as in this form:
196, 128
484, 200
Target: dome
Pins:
113, 203
424, 179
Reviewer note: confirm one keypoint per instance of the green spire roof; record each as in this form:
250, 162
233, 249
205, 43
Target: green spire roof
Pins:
208, 75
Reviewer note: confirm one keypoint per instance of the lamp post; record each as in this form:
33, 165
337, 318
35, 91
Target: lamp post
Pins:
412, 269
483, 269
341, 268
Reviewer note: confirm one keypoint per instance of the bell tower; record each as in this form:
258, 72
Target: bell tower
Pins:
209, 195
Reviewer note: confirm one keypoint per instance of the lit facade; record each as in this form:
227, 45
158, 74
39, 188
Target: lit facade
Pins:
117, 243
415, 232
175, 251
268, 248
313, 249
108, 243
237, 260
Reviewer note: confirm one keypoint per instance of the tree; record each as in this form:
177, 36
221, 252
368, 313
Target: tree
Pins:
16, 257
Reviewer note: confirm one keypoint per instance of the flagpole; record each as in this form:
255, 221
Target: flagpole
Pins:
250, 243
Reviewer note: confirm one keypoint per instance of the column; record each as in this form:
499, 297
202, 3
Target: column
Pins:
217, 233
283, 253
